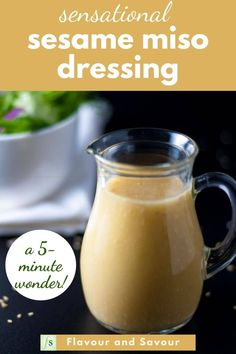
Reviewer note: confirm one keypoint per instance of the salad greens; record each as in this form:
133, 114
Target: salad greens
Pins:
29, 111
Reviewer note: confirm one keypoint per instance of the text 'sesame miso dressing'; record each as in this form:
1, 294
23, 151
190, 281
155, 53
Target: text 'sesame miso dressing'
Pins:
143, 261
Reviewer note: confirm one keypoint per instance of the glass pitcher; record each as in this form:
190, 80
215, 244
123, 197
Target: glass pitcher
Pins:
143, 260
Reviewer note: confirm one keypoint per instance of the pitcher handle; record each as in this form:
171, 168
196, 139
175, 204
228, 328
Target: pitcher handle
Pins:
219, 257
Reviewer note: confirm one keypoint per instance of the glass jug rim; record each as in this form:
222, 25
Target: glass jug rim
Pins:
148, 134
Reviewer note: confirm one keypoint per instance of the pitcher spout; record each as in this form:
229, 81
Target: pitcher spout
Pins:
145, 147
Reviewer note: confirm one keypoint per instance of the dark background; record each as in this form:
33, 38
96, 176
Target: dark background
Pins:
209, 119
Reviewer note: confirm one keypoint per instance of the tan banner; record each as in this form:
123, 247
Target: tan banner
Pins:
98, 342
117, 45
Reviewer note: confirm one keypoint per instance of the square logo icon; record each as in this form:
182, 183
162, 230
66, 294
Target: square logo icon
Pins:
48, 342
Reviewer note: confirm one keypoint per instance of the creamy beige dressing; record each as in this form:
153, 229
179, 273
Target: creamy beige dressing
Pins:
142, 254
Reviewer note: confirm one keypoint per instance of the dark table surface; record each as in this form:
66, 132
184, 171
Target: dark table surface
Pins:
214, 322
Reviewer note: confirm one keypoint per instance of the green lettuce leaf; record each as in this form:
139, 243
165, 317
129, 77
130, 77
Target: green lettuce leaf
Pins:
38, 109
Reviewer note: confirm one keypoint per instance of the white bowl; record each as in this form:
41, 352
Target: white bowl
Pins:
35, 165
